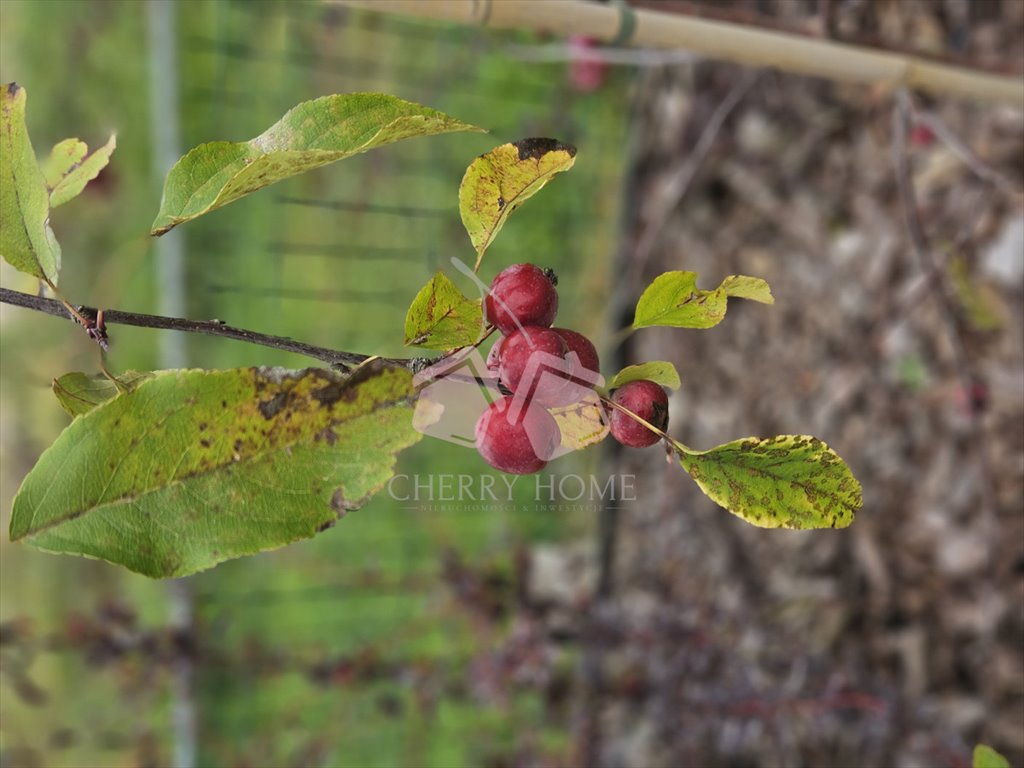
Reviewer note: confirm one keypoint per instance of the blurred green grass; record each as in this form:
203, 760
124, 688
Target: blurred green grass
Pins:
314, 273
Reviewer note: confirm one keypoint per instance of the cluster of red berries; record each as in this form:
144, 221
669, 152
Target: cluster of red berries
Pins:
543, 368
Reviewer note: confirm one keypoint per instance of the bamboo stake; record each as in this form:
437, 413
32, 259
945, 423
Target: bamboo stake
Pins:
715, 39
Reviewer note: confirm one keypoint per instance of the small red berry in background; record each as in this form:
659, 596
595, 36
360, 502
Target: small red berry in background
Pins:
523, 294
586, 71
921, 136
648, 401
509, 445
973, 399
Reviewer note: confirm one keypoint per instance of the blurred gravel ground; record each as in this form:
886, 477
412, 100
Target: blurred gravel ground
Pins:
897, 642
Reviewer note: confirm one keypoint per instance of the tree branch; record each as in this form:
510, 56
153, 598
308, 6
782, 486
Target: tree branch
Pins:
962, 150
333, 357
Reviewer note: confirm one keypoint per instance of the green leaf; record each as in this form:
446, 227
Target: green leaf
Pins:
789, 481
26, 240
79, 393
440, 317
310, 135
192, 468
657, 371
68, 168
497, 183
64, 156
674, 299
744, 287
986, 757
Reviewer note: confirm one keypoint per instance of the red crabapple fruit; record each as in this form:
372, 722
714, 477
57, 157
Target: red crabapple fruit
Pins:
532, 348
521, 295
583, 348
509, 445
582, 374
648, 401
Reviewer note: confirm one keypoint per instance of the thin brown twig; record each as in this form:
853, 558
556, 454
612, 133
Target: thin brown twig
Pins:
676, 187
962, 150
333, 357
903, 115
490, 329
75, 314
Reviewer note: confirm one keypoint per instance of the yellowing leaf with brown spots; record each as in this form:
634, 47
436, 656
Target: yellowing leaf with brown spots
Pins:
497, 183
440, 317
789, 481
581, 424
191, 468
311, 134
